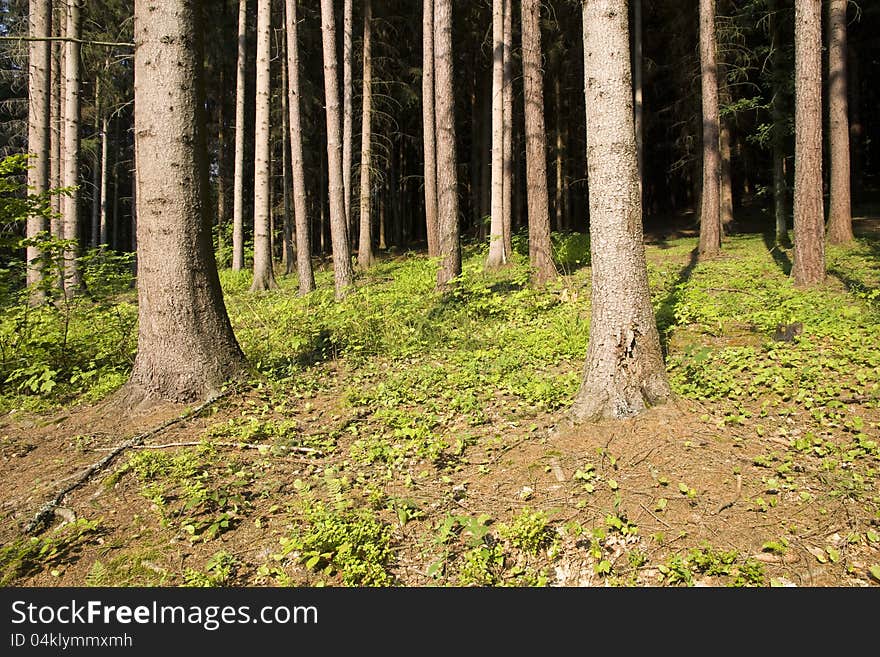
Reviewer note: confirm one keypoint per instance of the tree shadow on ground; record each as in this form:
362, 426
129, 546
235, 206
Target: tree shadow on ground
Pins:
778, 250
666, 311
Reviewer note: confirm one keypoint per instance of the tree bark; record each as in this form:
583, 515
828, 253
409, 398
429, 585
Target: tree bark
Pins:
447, 165
497, 254
624, 372
710, 206
724, 154
56, 119
540, 250
97, 164
347, 109
808, 266
429, 127
288, 253
186, 347
39, 96
559, 203
105, 176
508, 131
300, 206
343, 274
839, 207
365, 243
70, 204
638, 69
238, 175
264, 276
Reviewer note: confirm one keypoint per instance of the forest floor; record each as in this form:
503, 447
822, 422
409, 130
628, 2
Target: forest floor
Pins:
403, 439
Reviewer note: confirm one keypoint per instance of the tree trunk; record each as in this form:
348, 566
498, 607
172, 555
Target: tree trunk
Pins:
347, 110
344, 277
186, 347
710, 206
726, 184
365, 244
97, 164
264, 276
238, 176
808, 266
560, 154
39, 71
508, 131
105, 176
497, 254
540, 251
288, 253
624, 372
70, 204
638, 68
429, 127
300, 207
447, 171
839, 207
57, 120
780, 186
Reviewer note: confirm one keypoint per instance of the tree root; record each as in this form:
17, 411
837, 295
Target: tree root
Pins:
47, 511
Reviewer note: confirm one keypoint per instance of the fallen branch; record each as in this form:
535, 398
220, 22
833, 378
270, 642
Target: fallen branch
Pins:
48, 509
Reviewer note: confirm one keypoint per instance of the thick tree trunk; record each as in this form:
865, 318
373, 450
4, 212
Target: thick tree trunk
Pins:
429, 127
839, 207
540, 250
808, 266
238, 175
344, 276
70, 204
347, 110
624, 372
264, 276
300, 206
39, 71
186, 347
498, 256
447, 172
365, 243
710, 206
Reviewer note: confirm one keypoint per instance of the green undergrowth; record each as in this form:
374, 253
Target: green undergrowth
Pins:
364, 405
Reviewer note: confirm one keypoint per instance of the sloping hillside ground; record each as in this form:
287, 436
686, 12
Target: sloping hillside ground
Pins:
403, 439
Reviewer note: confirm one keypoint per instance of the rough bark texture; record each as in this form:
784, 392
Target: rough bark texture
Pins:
724, 154
94, 234
347, 108
497, 255
39, 71
624, 372
70, 173
447, 176
808, 265
264, 277
839, 207
710, 207
300, 205
342, 269
365, 241
186, 347
429, 127
288, 253
238, 175
540, 250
